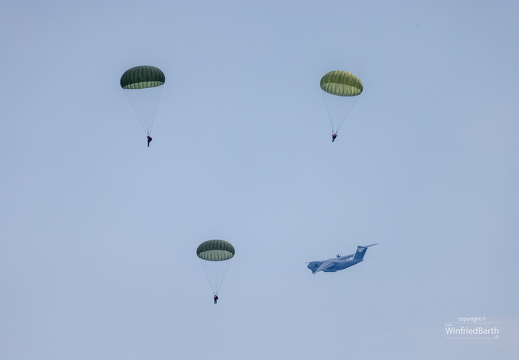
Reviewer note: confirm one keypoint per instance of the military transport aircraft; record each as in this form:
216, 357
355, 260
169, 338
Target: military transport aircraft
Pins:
339, 262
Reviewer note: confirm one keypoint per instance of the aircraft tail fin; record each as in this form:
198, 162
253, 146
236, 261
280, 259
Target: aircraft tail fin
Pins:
361, 251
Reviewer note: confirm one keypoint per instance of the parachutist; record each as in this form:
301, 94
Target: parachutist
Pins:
143, 85
149, 140
341, 89
215, 256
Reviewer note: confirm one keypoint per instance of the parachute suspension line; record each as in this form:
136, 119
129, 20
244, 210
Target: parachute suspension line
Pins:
215, 272
228, 263
144, 103
338, 108
221, 272
154, 96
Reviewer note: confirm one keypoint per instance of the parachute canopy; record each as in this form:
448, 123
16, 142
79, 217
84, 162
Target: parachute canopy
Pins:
215, 256
142, 77
341, 83
215, 250
143, 86
340, 92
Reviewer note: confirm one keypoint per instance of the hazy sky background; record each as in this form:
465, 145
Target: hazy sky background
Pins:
98, 233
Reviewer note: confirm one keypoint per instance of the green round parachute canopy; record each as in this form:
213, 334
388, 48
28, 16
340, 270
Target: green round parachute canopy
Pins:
215, 250
142, 77
341, 83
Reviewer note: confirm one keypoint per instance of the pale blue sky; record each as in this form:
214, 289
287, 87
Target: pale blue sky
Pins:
98, 233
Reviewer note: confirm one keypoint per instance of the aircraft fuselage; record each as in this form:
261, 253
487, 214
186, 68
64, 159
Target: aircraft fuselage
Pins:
339, 262
341, 265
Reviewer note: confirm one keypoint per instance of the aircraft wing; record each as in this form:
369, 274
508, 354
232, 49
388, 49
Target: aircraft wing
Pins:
324, 265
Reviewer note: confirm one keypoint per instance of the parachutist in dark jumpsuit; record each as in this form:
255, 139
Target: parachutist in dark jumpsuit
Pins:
333, 137
149, 140
215, 298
